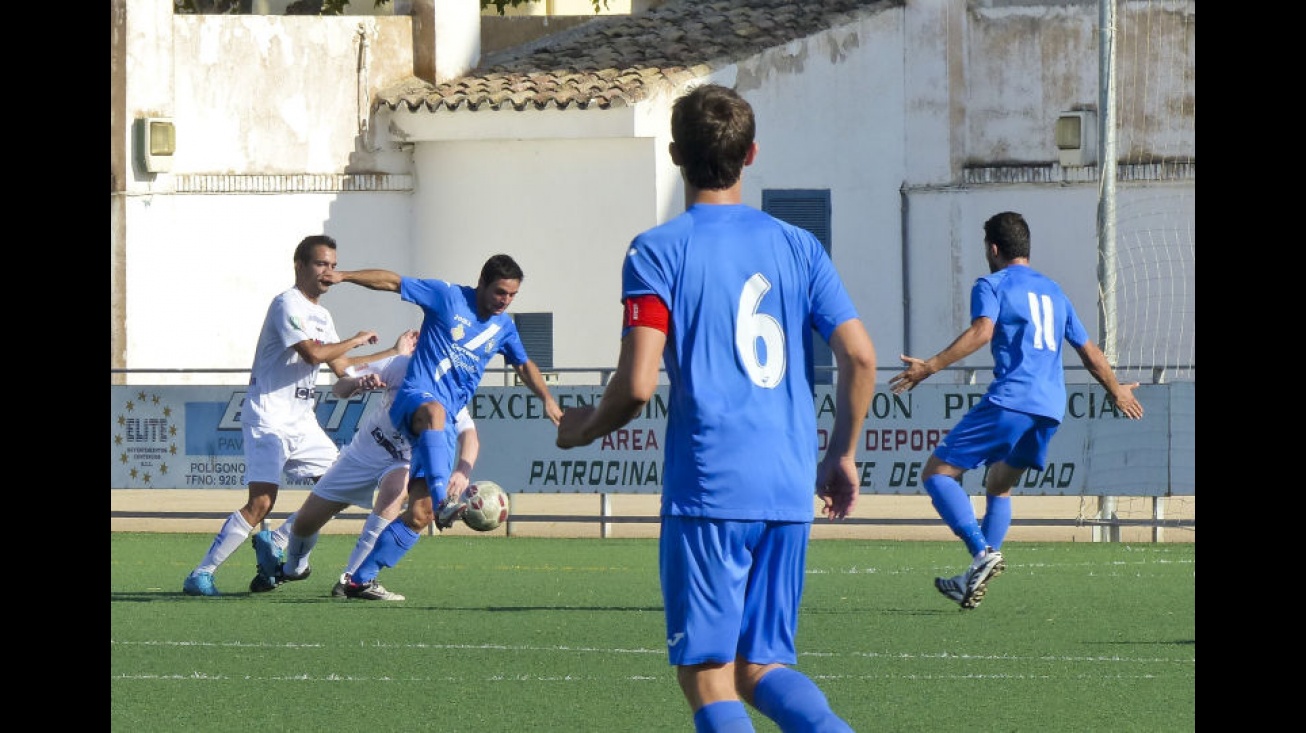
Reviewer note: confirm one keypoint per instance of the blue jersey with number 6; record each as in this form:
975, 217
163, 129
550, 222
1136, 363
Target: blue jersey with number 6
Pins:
745, 291
1031, 316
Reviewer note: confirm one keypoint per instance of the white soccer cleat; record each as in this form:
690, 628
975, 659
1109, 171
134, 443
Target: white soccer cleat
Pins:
449, 512
989, 566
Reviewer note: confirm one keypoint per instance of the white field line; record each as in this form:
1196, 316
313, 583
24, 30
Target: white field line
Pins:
1110, 662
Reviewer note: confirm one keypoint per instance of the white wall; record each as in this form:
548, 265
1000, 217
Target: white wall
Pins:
564, 209
895, 107
201, 271
273, 144
283, 95
816, 132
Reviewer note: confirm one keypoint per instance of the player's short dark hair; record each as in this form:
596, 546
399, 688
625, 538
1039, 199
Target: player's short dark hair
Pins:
713, 128
500, 267
304, 251
1010, 233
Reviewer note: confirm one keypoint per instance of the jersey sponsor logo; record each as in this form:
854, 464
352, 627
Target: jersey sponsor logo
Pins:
382, 440
485, 337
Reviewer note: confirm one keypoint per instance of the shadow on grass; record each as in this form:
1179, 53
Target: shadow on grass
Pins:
173, 596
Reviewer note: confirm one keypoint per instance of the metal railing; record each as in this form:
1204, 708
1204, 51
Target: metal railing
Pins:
1075, 374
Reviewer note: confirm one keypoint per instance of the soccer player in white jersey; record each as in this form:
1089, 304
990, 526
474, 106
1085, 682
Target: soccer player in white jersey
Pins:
278, 421
729, 298
375, 460
1025, 316
463, 328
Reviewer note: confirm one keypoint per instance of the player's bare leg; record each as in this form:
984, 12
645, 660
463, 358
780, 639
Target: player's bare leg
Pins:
421, 510
262, 497
238, 527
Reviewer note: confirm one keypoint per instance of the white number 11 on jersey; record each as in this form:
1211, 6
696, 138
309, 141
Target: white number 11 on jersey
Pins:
1040, 314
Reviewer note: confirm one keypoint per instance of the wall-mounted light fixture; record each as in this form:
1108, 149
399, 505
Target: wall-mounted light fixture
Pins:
156, 141
1076, 135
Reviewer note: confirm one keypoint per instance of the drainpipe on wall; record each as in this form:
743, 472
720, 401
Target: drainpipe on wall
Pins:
364, 71
904, 232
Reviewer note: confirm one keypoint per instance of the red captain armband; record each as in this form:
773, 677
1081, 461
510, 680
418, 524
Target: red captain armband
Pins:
648, 311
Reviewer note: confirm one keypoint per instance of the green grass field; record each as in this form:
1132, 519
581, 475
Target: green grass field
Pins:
546, 634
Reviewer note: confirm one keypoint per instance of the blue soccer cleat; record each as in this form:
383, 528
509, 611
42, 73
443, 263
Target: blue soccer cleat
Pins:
266, 554
264, 583
200, 584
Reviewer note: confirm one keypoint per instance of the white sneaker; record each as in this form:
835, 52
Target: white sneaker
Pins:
371, 591
989, 566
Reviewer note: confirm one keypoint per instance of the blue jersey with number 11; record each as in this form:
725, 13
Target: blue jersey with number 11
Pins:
745, 291
1031, 316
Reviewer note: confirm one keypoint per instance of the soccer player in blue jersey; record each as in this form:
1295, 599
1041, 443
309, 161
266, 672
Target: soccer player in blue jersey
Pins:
728, 298
462, 329
1024, 316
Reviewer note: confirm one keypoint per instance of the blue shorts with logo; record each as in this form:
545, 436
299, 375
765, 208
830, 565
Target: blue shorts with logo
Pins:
731, 588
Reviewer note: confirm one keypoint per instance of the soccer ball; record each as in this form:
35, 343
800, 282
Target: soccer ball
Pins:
487, 506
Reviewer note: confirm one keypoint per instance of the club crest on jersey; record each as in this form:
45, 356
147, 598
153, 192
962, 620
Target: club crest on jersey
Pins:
489, 346
457, 332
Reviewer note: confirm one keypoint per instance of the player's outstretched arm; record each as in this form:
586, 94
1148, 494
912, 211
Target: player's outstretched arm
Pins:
372, 279
404, 345
333, 355
348, 386
1121, 394
968, 342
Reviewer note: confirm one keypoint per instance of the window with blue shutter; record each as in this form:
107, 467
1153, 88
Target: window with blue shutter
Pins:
536, 330
808, 208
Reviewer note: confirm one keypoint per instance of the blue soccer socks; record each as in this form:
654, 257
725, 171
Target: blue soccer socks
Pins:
432, 449
726, 716
395, 542
997, 520
795, 703
953, 505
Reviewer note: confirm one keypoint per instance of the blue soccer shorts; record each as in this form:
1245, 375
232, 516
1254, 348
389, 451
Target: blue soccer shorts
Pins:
731, 589
989, 433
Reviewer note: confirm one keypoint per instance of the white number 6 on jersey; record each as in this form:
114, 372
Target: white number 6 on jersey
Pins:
751, 326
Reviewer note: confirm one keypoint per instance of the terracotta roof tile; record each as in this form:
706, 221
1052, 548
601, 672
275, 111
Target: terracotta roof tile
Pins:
621, 60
